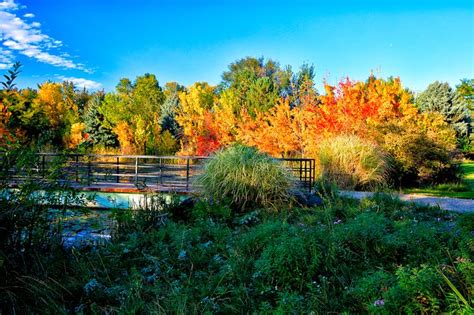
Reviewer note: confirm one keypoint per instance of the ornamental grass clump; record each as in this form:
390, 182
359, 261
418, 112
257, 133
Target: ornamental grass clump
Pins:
245, 178
353, 163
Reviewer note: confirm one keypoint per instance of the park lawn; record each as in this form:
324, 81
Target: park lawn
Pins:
465, 191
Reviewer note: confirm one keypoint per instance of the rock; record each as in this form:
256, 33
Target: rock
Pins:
306, 199
314, 200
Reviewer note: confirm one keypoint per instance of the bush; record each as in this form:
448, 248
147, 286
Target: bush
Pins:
245, 178
353, 163
421, 146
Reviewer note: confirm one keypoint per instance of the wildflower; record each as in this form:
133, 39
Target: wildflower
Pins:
380, 302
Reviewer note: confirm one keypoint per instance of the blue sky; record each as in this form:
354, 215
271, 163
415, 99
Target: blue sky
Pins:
96, 42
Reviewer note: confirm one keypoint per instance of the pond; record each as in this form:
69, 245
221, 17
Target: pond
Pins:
94, 225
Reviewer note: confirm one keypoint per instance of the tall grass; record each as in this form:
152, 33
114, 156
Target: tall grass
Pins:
246, 178
352, 163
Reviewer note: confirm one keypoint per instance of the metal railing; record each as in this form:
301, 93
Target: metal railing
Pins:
161, 173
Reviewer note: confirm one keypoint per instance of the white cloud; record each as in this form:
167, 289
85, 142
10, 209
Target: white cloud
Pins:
27, 39
82, 83
8, 5
6, 58
29, 15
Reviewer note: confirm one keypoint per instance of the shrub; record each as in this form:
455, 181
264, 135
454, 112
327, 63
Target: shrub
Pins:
421, 146
246, 178
352, 162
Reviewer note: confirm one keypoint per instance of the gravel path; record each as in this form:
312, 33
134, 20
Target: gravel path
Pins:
446, 203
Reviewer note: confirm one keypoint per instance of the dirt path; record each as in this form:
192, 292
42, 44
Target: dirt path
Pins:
446, 203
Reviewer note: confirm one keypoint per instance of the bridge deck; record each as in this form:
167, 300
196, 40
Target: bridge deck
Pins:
132, 188
138, 173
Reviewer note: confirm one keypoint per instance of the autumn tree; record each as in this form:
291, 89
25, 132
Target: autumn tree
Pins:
195, 104
51, 102
134, 109
274, 132
5, 135
77, 135
27, 118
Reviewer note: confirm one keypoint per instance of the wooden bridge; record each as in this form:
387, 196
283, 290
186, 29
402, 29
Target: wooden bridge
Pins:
143, 173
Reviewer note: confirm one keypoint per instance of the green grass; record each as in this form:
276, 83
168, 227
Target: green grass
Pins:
464, 190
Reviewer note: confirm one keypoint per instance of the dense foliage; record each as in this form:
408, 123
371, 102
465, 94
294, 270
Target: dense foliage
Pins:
258, 103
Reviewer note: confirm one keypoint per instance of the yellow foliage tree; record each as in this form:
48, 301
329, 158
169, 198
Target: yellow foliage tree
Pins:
195, 103
77, 135
276, 132
125, 137
50, 100
226, 119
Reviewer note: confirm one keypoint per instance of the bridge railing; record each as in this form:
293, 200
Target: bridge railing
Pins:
173, 173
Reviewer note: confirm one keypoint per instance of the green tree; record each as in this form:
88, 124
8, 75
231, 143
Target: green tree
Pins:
256, 83
169, 108
303, 90
441, 98
82, 98
136, 105
98, 133
147, 96
168, 113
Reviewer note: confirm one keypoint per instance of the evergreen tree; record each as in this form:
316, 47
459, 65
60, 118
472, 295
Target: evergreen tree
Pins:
168, 112
98, 133
441, 98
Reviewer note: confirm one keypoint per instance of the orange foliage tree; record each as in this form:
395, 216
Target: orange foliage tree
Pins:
5, 135
193, 117
277, 132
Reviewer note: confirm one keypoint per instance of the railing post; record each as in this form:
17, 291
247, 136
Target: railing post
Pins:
161, 171
187, 173
89, 170
43, 166
77, 168
117, 169
301, 169
136, 170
